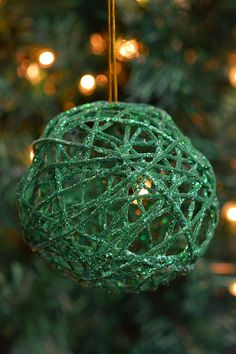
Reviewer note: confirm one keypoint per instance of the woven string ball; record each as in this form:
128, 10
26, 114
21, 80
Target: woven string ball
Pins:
117, 197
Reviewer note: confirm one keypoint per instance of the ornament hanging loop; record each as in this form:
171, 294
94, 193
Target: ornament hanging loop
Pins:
112, 79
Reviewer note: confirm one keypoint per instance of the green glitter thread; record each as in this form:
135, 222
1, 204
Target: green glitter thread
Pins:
117, 197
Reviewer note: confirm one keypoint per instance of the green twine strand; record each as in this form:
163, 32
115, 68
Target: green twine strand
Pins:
117, 197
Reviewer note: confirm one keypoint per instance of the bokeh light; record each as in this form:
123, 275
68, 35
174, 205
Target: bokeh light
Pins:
97, 44
229, 211
31, 154
101, 80
232, 76
46, 58
68, 105
232, 288
127, 49
87, 84
33, 73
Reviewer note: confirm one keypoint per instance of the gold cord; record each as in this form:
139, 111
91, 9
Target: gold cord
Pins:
112, 84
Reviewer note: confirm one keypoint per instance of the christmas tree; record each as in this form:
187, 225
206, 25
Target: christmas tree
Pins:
176, 54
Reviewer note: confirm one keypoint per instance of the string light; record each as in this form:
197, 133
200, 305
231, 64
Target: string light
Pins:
231, 214
232, 58
101, 80
232, 288
46, 58
127, 49
24, 64
87, 84
68, 105
33, 73
31, 155
222, 268
142, 2
97, 44
229, 211
232, 76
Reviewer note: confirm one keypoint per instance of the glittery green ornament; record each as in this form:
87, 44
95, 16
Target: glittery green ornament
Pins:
117, 197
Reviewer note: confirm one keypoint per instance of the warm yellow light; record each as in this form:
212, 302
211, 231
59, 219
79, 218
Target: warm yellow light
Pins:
232, 76
33, 73
143, 191
97, 43
232, 58
101, 80
229, 211
232, 288
231, 214
142, 2
148, 183
46, 58
31, 155
87, 84
127, 49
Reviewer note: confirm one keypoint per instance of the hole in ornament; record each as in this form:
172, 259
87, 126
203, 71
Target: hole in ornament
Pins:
178, 246
89, 222
99, 144
198, 206
51, 152
185, 188
114, 215
95, 189
116, 131
89, 124
134, 213
204, 229
141, 244
185, 207
77, 135
159, 228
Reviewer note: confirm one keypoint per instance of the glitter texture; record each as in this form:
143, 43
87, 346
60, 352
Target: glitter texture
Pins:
117, 197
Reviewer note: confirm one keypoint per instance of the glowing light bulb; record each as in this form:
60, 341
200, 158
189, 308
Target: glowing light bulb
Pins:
232, 76
97, 44
87, 84
127, 49
33, 73
232, 288
101, 80
231, 214
46, 58
229, 211
31, 155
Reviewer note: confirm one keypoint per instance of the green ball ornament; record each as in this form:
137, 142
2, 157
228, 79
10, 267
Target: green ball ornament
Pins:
117, 197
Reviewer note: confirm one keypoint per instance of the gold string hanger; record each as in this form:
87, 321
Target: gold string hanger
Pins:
112, 79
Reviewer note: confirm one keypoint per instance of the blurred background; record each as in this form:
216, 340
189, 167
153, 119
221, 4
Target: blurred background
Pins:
177, 54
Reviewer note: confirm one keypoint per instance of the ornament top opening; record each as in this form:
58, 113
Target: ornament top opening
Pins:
117, 197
